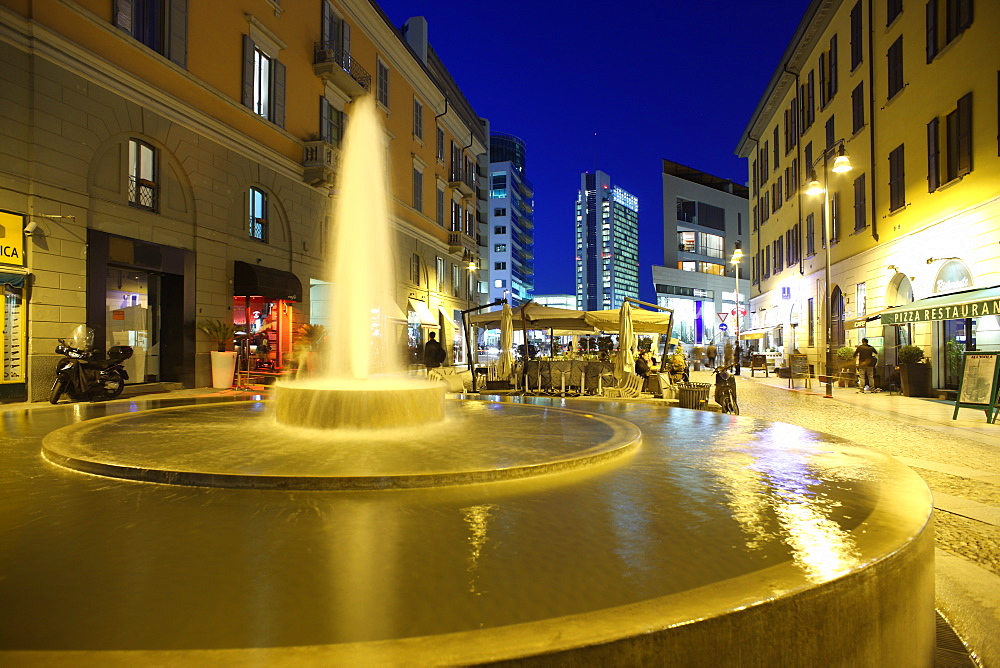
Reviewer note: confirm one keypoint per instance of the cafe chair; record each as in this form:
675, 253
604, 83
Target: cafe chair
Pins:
629, 388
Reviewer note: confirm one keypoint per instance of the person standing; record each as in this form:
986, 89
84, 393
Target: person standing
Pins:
710, 353
727, 358
737, 355
434, 354
866, 359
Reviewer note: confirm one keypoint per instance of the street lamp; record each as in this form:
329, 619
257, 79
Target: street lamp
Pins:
841, 164
735, 261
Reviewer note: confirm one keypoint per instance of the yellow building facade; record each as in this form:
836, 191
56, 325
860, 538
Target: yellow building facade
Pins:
906, 92
173, 161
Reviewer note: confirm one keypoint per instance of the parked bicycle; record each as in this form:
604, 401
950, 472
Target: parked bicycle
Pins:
725, 390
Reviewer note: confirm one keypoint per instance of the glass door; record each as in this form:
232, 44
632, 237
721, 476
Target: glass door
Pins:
133, 317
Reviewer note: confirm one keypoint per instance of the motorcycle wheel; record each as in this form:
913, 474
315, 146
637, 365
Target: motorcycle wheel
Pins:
113, 385
57, 389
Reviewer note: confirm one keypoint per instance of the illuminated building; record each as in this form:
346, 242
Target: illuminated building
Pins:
177, 160
511, 230
907, 93
704, 221
607, 243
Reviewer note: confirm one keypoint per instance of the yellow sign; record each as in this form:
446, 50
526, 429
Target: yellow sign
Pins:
11, 238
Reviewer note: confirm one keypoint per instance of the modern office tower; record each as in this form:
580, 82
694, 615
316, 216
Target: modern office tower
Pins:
905, 96
704, 222
557, 301
511, 232
607, 243
174, 161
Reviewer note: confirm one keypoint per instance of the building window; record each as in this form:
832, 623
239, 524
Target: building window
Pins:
331, 122
500, 229
418, 119
440, 207
860, 208
143, 190
857, 35
499, 265
500, 211
415, 268
456, 281
418, 189
263, 82
439, 145
831, 132
810, 235
258, 214
776, 147
811, 317
956, 15
893, 8
860, 300
382, 89
895, 62
500, 248
858, 108
834, 217
959, 143
456, 217
159, 24
897, 179
439, 272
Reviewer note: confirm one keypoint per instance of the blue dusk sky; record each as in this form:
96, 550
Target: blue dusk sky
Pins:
654, 79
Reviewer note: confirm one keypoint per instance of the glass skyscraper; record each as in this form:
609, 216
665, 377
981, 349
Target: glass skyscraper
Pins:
512, 238
607, 243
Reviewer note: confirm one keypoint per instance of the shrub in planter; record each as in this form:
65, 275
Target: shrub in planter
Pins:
221, 333
914, 375
845, 362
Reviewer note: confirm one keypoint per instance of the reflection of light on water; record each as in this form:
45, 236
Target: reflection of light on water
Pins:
477, 517
771, 475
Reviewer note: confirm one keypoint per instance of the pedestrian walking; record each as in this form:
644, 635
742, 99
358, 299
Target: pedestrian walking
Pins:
434, 354
866, 357
710, 353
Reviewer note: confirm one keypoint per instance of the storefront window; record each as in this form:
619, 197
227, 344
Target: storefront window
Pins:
12, 336
267, 325
132, 313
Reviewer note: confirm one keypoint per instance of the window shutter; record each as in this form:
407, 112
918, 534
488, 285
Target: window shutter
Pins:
177, 25
278, 94
324, 119
345, 36
326, 25
248, 49
965, 134
933, 156
822, 81
124, 12
931, 10
833, 67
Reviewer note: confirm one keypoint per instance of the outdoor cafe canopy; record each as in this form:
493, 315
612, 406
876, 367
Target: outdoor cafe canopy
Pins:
580, 322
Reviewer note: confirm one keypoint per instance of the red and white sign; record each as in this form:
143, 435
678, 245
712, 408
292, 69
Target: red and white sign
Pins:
722, 316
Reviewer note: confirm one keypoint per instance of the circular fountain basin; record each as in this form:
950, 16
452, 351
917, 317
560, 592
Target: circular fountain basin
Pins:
216, 446
719, 540
367, 404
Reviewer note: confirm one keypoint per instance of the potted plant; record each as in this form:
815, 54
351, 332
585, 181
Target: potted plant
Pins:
914, 374
845, 360
310, 340
223, 360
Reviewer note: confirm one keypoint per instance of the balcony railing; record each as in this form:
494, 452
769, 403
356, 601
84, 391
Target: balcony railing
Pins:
332, 62
459, 242
319, 161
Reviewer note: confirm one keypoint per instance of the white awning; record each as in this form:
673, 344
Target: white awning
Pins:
447, 317
394, 313
423, 313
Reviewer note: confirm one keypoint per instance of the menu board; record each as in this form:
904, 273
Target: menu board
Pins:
978, 384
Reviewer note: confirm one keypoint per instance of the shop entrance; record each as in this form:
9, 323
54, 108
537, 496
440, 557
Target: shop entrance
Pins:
132, 300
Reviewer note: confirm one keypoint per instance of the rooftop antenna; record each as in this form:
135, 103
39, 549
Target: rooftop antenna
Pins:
595, 153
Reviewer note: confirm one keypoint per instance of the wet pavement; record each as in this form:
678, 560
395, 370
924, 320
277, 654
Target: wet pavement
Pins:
958, 460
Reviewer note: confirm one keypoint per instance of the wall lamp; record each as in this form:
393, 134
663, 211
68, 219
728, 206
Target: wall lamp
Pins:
932, 260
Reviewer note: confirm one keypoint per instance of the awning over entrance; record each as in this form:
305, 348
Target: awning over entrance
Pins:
447, 317
253, 280
13, 280
968, 304
752, 334
423, 313
861, 321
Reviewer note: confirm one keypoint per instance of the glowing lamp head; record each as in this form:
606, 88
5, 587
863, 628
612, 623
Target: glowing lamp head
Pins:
814, 188
841, 163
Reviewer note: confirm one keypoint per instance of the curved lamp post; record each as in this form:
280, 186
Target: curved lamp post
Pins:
841, 163
735, 261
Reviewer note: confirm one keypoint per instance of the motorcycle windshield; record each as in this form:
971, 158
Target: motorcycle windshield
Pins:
81, 337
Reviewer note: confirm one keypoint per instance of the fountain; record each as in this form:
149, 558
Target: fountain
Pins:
361, 384
525, 530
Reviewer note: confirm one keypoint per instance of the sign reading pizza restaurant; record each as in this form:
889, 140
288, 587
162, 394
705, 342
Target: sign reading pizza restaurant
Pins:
970, 309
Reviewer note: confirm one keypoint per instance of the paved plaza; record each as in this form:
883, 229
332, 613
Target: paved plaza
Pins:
957, 458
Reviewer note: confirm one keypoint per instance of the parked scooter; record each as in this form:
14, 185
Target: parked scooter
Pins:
83, 377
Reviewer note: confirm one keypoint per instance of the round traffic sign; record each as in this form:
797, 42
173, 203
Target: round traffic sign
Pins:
723, 327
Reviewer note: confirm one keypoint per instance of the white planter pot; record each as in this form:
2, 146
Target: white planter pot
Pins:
223, 367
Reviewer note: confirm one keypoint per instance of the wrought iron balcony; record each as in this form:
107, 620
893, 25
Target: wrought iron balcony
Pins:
463, 183
320, 161
460, 243
332, 62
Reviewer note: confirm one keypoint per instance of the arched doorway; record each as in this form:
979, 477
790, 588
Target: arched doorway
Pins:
899, 293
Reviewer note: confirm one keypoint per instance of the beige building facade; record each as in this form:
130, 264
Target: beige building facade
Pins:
160, 168
907, 92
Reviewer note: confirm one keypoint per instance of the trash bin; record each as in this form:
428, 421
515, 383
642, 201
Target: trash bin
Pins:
693, 395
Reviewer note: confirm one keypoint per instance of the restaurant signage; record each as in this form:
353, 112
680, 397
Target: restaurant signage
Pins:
973, 309
12, 238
